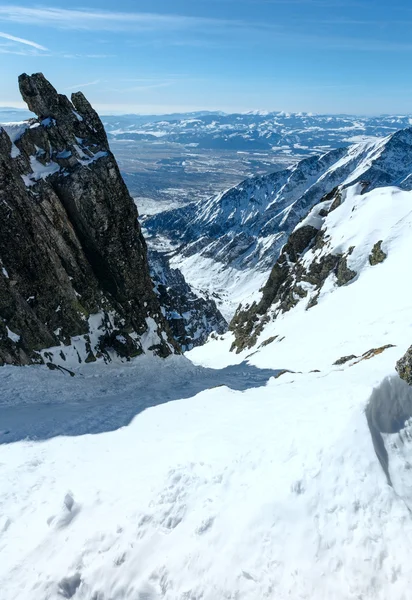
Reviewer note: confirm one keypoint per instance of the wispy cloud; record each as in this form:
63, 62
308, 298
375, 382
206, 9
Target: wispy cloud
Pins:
13, 38
312, 3
20, 52
83, 85
70, 55
88, 19
144, 84
198, 31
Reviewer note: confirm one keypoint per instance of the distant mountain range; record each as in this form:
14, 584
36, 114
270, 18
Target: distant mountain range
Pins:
283, 132
297, 133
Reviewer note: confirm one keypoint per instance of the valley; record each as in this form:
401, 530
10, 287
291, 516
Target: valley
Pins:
163, 175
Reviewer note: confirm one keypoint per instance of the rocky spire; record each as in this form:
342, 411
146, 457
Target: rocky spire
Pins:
73, 261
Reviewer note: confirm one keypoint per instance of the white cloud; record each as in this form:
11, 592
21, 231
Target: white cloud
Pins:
83, 85
13, 38
107, 20
66, 55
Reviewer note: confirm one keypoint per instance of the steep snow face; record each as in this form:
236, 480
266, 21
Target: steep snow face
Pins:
257, 479
244, 228
373, 301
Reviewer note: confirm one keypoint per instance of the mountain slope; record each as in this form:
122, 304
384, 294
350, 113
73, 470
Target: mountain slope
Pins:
344, 255
243, 229
191, 317
277, 478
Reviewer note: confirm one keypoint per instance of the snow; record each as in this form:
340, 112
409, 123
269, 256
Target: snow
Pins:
14, 337
15, 152
39, 171
210, 476
15, 129
227, 285
78, 117
88, 160
64, 154
314, 219
5, 273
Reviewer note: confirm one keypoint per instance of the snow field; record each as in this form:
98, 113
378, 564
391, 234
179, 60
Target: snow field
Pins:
243, 484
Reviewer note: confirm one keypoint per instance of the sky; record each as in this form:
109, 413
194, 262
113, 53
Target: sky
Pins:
163, 56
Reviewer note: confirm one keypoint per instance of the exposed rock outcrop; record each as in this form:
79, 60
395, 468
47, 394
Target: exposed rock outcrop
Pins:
73, 262
291, 278
191, 317
377, 255
404, 366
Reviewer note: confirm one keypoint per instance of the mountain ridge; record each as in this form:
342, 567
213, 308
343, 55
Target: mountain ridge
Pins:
244, 228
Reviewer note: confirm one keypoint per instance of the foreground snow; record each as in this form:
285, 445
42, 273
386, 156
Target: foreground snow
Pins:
218, 477
271, 492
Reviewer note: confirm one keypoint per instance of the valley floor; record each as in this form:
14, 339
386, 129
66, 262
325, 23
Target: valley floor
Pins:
261, 487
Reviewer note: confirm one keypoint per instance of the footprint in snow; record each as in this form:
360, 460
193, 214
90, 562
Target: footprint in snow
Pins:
70, 510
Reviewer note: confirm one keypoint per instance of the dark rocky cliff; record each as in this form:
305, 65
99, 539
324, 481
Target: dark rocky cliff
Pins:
74, 274
191, 317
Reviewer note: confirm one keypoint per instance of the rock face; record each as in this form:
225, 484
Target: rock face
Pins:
404, 366
377, 255
291, 279
74, 274
191, 317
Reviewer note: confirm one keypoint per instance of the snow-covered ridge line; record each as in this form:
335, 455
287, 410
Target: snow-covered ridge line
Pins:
246, 227
343, 240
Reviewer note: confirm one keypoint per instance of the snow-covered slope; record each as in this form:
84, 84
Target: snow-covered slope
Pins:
353, 269
239, 233
241, 486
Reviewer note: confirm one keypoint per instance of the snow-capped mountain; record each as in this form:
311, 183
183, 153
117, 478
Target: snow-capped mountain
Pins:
238, 234
272, 462
342, 239
300, 133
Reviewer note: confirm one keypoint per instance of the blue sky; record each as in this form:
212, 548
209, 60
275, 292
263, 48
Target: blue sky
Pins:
351, 56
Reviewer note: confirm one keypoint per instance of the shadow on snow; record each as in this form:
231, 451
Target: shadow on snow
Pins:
36, 404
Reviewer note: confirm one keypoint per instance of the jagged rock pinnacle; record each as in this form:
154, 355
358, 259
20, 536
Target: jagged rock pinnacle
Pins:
73, 261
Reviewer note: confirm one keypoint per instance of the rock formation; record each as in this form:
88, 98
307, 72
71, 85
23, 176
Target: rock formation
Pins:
74, 275
190, 316
404, 366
